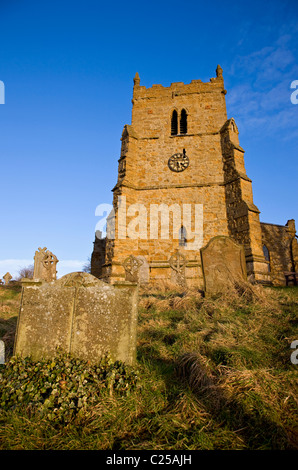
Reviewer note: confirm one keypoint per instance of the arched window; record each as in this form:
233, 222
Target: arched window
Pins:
267, 256
183, 122
182, 236
174, 123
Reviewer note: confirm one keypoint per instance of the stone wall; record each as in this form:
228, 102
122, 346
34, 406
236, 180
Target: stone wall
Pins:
281, 243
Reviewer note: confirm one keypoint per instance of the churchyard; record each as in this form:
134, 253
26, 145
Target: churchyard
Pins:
212, 372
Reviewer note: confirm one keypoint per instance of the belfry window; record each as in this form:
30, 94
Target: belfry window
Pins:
267, 256
183, 122
182, 236
174, 123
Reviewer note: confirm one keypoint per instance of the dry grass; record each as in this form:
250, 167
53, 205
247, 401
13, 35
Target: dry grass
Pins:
215, 374
194, 368
233, 351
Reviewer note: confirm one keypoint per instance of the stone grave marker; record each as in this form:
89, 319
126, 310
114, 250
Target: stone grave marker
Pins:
45, 265
2, 352
132, 267
79, 314
7, 278
177, 263
223, 263
143, 273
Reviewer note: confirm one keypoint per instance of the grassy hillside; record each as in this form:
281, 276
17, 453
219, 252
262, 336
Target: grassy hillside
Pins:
212, 373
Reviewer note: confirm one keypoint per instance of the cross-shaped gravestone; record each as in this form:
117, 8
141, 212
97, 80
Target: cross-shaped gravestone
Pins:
132, 266
2, 352
45, 265
7, 278
178, 262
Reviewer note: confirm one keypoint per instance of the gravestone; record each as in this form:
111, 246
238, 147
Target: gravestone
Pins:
143, 273
7, 278
45, 265
177, 263
79, 314
223, 263
2, 352
132, 267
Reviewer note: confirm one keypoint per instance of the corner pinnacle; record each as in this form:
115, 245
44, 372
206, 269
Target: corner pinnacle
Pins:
136, 80
219, 71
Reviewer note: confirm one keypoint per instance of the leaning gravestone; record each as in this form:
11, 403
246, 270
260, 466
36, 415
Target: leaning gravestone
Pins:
79, 314
2, 352
223, 263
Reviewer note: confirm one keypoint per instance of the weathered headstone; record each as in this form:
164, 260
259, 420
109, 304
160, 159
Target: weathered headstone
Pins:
223, 263
45, 265
143, 273
132, 267
177, 263
7, 278
2, 352
79, 314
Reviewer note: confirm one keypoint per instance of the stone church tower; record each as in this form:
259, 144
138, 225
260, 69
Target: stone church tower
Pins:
181, 182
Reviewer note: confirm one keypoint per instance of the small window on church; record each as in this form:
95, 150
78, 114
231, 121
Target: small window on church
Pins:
182, 236
267, 256
174, 123
183, 122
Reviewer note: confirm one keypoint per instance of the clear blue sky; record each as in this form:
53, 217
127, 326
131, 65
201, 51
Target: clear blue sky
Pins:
68, 69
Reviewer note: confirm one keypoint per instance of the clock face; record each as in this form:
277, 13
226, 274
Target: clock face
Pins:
178, 162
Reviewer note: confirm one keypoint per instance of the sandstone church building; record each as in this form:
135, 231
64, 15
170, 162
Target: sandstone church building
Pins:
181, 156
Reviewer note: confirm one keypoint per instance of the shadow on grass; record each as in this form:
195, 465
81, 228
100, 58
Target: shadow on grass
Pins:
248, 416
7, 334
165, 368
